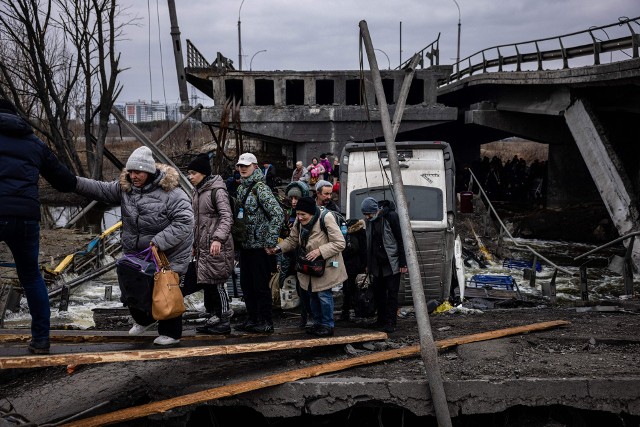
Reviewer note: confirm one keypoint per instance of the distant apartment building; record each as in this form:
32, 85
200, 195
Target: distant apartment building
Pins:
143, 111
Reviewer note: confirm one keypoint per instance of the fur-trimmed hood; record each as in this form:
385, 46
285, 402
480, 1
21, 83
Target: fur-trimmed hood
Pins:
356, 226
166, 177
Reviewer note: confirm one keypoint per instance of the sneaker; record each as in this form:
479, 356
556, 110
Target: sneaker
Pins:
323, 331
213, 320
262, 328
165, 340
39, 347
221, 328
227, 314
139, 329
245, 326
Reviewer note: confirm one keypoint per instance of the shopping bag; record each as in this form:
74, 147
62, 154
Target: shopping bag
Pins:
135, 277
167, 301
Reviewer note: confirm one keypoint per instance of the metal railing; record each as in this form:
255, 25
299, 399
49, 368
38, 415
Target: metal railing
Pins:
504, 230
626, 269
478, 61
431, 51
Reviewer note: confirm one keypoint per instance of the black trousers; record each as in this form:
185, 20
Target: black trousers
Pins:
349, 293
255, 272
386, 290
170, 327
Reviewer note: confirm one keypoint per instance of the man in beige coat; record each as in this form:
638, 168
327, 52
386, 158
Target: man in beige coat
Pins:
312, 239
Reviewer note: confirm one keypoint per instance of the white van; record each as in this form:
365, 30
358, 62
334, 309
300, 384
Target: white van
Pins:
428, 174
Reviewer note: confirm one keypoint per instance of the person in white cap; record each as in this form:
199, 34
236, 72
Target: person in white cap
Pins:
263, 217
155, 211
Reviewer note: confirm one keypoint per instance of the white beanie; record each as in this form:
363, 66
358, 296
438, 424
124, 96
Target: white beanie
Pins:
141, 160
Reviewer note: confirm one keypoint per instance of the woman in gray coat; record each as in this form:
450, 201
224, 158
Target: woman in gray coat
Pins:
213, 245
155, 211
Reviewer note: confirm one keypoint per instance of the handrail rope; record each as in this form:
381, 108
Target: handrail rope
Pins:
606, 245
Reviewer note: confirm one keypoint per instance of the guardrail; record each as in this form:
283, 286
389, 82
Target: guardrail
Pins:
478, 61
624, 265
431, 51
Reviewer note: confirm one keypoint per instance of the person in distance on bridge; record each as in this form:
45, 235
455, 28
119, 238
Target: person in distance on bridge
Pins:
155, 211
24, 158
212, 246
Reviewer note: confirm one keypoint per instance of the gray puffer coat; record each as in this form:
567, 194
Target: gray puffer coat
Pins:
159, 212
213, 223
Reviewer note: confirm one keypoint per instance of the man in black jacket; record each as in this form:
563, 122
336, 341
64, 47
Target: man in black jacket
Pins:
24, 157
385, 258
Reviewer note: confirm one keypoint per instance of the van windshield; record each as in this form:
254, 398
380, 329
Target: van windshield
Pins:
425, 203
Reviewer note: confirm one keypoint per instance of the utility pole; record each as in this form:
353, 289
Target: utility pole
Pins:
427, 345
177, 53
240, 38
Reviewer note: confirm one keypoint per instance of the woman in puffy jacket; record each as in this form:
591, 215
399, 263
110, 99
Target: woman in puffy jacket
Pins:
155, 211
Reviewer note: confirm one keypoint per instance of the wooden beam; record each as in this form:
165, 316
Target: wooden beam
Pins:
295, 375
174, 353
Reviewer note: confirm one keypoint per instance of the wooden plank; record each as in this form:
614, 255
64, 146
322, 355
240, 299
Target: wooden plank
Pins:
179, 352
295, 375
76, 337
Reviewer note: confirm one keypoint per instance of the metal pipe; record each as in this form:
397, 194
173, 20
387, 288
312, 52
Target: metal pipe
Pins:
177, 125
177, 53
427, 345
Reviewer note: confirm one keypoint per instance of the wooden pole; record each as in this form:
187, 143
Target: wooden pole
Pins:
428, 348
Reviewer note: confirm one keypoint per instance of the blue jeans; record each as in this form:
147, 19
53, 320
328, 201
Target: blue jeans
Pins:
23, 238
322, 307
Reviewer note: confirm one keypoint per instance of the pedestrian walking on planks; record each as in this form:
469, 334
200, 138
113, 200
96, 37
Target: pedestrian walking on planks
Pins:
155, 211
24, 158
212, 246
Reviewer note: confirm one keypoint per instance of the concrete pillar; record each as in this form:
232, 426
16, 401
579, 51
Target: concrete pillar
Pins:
310, 91
248, 90
279, 91
606, 169
218, 91
340, 90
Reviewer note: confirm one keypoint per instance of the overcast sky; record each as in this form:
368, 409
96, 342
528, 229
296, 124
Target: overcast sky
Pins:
306, 35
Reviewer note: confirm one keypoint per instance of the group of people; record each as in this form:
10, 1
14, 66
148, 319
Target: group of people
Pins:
196, 235
317, 170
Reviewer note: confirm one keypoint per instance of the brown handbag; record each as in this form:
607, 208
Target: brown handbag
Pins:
167, 301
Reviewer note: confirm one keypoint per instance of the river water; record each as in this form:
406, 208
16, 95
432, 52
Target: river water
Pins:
603, 283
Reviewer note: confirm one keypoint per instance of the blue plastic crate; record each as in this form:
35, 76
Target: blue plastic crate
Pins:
493, 281
520, 264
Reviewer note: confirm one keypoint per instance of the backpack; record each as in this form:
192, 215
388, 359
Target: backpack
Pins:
338, 217
239, 227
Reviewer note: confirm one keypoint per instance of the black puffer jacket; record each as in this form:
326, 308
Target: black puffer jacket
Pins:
23, 158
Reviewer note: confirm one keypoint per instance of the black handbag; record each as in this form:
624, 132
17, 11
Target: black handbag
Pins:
313, 268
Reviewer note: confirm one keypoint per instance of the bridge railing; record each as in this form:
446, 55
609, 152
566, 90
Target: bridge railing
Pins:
534, 51
431, 51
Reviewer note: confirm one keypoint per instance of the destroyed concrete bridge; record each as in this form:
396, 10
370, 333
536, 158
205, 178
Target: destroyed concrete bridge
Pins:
586, 110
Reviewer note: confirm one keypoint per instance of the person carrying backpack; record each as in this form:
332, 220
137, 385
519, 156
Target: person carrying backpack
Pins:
311, 243
262, 217
385, 258
213, 245
355, 261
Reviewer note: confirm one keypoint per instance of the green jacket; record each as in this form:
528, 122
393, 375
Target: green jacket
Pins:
262, 212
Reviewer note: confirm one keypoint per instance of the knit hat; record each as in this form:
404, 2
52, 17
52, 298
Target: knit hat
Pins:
307, 204
300, 186
323, 183
141, 160
7, 106
369, 206
294, 192
200, 164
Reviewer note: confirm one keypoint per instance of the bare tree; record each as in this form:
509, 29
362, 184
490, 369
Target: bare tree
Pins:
62, 64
